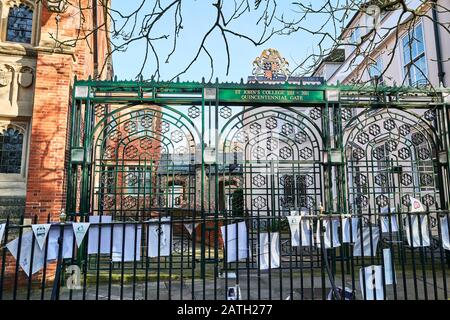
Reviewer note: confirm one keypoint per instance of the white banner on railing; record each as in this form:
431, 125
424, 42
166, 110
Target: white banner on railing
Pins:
306, 232
26, 245
130, 249
40, 233
417, 225
80, 229
445, 233
95, 237
269, 252
330, 235
159, 238
385, 223
294, 225
68, 242
2, 231
368, 244
416, 205
389, 270
235, 239
190, 227
301, 231
350, 235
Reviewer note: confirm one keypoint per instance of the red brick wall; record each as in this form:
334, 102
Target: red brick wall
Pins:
46, 174
49, 149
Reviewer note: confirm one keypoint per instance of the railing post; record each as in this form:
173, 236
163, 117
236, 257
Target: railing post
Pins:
59, 263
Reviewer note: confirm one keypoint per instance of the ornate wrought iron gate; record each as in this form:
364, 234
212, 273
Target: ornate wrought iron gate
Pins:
205, 156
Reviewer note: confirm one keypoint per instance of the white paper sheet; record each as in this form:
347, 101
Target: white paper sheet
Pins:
385, 224
269, 257
385, 220
80, 230
40, 233
331, 234
366, 242
350, 230
372, 277
389, 272
294, 225
418, 226
346, 234
416, 205
133, 236
2, 231
235, 238
350, 235
53, 247
25, 253
159, 236
94, 235
445, 233
306, 232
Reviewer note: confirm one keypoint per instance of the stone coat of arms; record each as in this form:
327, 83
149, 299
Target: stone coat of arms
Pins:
271, 65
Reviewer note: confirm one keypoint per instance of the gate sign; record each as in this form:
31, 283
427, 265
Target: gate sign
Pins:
270, 95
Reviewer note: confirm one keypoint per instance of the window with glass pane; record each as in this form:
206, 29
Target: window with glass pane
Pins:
356, 35
11, 147
20, 24
376, 70
414, 63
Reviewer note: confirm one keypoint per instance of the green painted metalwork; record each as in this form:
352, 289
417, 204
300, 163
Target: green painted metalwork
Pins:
270, 96
213, 153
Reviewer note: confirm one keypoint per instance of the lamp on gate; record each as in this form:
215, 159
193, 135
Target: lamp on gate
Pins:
56, 6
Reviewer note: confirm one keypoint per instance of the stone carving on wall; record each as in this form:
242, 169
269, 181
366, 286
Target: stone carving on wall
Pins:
26, 77
7, 124
6, 74
16, 92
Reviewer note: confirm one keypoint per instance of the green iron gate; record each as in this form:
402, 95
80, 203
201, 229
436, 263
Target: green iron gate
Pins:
210, 155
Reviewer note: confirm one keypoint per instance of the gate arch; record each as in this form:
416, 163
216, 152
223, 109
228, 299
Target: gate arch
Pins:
392, 154
136, 162
279, 149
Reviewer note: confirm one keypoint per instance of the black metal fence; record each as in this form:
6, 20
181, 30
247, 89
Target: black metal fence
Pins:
305, 256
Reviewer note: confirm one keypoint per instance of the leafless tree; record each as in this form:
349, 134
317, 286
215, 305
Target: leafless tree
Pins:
146, 18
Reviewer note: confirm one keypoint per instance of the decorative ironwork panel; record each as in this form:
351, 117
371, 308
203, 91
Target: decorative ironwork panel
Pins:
392, 156
207, 157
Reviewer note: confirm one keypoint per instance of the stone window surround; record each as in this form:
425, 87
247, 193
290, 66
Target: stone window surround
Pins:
23, 126
4, 12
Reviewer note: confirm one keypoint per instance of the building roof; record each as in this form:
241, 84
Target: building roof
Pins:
336, 56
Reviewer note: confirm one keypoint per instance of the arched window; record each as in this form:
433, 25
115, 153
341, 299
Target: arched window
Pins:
20, 24
11, 148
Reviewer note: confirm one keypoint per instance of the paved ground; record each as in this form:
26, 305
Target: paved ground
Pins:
264, 288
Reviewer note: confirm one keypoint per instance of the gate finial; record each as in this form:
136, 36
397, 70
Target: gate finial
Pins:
62, 216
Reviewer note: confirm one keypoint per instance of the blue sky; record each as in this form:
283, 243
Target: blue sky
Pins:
198, 16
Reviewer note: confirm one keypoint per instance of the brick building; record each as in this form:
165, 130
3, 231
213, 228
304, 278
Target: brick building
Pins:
39, 59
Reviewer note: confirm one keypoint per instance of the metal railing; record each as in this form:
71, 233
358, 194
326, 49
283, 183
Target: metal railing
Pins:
310, 256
